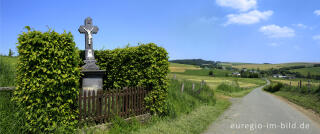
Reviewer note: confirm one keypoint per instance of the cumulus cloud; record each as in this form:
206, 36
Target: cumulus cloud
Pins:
316, 37
241, 5
317, 12
274, 31
251, 17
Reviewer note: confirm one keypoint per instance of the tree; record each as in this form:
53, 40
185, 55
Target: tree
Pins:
11, 53
211, 73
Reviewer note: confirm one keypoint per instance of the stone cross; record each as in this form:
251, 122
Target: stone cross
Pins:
88, 29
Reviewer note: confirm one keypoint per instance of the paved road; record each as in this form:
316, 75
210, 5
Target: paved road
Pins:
262, 113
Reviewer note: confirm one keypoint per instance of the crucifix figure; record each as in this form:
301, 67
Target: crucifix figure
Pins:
88, 29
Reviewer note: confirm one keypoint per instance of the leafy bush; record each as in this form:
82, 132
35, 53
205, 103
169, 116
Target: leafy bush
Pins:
144, 65
210, 73
274, 87
47, 81
229, 87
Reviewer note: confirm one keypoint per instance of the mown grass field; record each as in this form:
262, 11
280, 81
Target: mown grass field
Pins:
205, 72
213, 82
305, 71
175, 67
265, 66
242, 87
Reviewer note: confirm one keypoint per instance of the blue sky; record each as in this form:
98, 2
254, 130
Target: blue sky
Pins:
256, 31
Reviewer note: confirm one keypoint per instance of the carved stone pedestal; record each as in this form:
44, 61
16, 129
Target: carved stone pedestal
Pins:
92, 79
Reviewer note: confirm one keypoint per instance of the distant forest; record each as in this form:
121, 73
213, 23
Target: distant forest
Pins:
198, 62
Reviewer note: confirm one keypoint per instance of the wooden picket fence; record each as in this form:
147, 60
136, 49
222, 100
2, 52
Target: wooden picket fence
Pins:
101, 106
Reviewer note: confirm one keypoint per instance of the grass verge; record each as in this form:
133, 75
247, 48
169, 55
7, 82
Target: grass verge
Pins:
10, 122
306, 96
193, 123
309, 101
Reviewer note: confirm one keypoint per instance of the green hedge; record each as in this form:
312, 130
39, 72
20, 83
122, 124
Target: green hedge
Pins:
144, 65
47, 81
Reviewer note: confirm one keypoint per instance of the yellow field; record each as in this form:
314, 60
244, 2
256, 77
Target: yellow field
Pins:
267, 66
175, 67
213, 82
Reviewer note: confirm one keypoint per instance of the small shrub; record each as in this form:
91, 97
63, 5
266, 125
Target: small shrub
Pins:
210, 73
229, 87
274, 87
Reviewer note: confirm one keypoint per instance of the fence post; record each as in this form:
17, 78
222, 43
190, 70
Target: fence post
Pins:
193, 86
182, 87
290, 83
85, 104
94, 107
174, 76
98, 105
309, 85
202, 83
300, 83
80, 95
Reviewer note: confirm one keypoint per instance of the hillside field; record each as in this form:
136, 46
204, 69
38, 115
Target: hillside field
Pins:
305, 71
175, 67
265, 66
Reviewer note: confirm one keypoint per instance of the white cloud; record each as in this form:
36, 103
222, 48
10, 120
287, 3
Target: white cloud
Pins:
251, 17
274, 31
316, 37
317, 12
301, 25
241, 5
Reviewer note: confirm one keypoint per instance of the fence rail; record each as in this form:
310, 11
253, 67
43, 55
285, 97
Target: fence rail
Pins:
7, 88
101, 106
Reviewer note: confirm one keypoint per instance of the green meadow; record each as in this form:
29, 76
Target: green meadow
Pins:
7, 71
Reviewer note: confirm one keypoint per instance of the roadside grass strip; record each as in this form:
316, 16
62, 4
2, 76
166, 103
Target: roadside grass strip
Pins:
193, 123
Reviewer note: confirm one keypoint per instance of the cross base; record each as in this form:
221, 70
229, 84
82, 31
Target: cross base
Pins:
90, 65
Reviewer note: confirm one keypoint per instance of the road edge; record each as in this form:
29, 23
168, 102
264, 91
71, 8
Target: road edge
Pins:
312, 115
